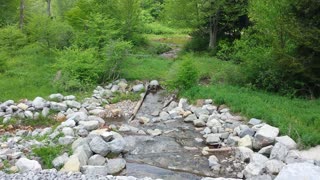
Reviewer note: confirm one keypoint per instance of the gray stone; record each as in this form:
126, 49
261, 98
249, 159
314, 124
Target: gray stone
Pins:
82, 132
70, 98
138, 88
95, 170
155, 132
115, 88
68, 123
208, 101
66, 140
273, 166
28, 114
254, 121
72, 165
299, 171
293, 156
46, 131
99, 146
23, 106
78, 116
233, 140
199, 123
256, 166
73, 104
56, 97
213, 139
45, 112
154, 83
266, 150
243, 153
213, 122
190, 118
265, 136
287, 141
246, 131
89, 125
39, 103
67, 131
107, 136
97, 160
25, 165
58, 106
60, 160
279, 152
214, 163
201, 111
116, 165
183, 103
245, 142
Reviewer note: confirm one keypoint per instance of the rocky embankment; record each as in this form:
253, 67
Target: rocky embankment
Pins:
167, 139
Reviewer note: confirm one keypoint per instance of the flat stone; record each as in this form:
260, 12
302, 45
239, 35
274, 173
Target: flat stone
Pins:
243, 153
266, 150
23, 106
138, 88
58, 106
254, 121
213, 139
190, 118
56, 97
155, 132
199, 123
299, 171
89, 125
25, 165
39, 103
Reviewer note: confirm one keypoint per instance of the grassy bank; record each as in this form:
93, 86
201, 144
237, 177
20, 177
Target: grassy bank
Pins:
295, 117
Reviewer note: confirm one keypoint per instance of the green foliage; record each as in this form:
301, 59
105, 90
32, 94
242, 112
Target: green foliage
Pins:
294, 117
160, 48
80, 69
198, 42
118, 97
187, 75
47, 154
8, 9
50, 33
12, 39
116, 53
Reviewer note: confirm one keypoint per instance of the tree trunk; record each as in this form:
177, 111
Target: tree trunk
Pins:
49, 7
21, 19
213, 31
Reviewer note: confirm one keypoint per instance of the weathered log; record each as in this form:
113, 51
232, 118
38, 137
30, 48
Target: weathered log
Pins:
139, 104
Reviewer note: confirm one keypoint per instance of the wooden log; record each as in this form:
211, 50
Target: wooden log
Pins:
136, 109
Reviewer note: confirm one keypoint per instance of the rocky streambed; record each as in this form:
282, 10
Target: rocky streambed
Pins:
168, 138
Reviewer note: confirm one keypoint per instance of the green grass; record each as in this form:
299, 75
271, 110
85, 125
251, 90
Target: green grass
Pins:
121, 97
29, 74
47, 154
298, 118
145, 68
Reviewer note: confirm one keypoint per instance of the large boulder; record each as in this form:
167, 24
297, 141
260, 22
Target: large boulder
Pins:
99, 146
299, 171
279, 152
97, 160
256, 166
265, 136
25, 165
78, 116
138, 88
89, 125
60, 160
95, 170
58, 106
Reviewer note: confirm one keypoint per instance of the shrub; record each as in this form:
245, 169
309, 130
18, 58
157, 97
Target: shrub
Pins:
11, 39
115, 53
187, 75
80, 69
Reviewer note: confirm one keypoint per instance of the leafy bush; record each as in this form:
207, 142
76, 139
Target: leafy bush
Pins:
49, 32
47, 154
157, 28
187, 75
116, 53
161, 48
80, 69
11, 39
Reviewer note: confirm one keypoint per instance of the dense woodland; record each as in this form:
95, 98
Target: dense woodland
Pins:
260, 57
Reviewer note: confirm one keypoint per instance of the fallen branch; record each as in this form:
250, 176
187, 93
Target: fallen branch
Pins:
136, 109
